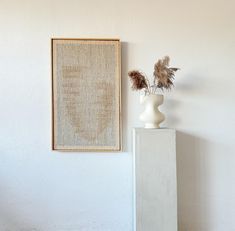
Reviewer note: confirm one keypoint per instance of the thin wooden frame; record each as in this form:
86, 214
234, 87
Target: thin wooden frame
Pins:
85, 118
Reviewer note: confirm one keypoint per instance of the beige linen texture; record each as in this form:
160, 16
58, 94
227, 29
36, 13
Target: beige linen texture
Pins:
86, 94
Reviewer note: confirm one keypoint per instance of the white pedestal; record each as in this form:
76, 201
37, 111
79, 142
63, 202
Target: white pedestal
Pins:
155, 180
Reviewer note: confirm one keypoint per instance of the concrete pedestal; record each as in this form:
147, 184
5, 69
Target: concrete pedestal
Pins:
155, 180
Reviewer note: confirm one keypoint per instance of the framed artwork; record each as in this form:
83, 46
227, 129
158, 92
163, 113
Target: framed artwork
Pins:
86, 94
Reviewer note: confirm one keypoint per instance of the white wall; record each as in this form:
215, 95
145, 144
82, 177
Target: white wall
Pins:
41, 190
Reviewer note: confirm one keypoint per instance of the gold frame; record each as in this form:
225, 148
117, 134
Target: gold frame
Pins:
119, 145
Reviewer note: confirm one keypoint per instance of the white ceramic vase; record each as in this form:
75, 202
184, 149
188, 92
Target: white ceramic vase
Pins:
151, 116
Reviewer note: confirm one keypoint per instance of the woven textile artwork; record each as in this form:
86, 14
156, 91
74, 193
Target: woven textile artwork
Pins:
86, 94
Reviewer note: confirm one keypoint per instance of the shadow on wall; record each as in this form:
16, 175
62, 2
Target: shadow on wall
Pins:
124, 109
193, 183
171, 116
188, 86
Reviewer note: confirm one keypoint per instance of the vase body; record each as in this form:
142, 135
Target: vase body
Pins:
151, 116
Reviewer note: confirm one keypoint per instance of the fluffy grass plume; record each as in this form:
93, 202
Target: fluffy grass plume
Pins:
138, 80
163, 74
163, 77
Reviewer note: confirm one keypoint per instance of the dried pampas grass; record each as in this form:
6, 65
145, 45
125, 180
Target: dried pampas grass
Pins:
138, 80
163, 74
163, 77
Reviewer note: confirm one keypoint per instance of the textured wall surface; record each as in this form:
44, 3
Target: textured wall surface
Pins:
51, 191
